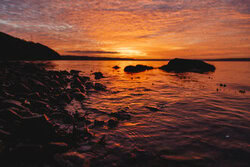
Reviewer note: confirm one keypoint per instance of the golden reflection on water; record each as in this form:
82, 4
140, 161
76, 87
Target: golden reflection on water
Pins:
179, 114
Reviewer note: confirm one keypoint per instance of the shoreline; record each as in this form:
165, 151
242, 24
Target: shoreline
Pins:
35, 127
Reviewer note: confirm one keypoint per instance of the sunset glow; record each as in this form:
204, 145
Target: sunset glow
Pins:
140, 29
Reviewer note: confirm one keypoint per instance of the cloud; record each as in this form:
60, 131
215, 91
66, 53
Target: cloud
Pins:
90, 26
91, 52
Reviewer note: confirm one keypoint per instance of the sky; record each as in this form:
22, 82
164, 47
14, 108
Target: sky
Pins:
133, 28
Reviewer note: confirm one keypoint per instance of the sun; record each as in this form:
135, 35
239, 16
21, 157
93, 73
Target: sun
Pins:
127, 51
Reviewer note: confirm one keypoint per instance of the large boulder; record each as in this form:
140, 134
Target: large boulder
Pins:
187, 65
137, 68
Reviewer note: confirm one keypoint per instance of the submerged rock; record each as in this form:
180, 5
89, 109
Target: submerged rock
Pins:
137, 68
153, 109
121, 115
98, 75
99, 86
187, 65
112, 123
116, 67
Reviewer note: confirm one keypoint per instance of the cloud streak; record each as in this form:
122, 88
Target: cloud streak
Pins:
91, 52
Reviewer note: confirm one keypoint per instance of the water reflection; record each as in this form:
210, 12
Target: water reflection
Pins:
179, 117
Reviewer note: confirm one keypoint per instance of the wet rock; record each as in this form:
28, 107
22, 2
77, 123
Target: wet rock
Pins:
71, 159
116, 67
4, 134
8, 103
98, 75
223, 85
84, 79
76, 83
78, 96
38, 86
34, 96
112, 123
102, 140
153, 109
57, 147
20, 89
55, 83
121, 115
9, 115
40, 106
89, 85
99, 86
26, 153
242, 91
65, 72
37, 128
98, 123
64, 97
137, 68
74, 72
187, 65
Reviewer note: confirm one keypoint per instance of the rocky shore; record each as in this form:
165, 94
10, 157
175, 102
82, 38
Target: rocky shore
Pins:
35, 127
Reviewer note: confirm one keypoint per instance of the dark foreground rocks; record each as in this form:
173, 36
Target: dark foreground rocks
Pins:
137, 68
187, 65
35, 127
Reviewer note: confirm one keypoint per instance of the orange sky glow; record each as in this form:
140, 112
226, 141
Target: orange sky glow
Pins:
133, 28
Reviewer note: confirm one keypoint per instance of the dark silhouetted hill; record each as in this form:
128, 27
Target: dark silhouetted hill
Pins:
17, 49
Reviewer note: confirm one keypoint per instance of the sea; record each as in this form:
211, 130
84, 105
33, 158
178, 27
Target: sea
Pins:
178, 119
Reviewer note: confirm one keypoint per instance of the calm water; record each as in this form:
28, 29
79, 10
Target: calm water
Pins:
199, 122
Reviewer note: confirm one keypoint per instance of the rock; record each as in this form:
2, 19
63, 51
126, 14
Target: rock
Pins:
34, 96
99, 86
187, 65
40, 106
26, 153
38, 86
116, 67
4, 134
38, 128
56, 147
98, 123
102, 140
112, 123
65, 72
223, 85
137, 68
89, 85
54, 83
153, 109
98, 75
121, 115
71, 159
20, 89
84, 79
78, 96
64, 97
74, 72
76, 83
11, 103
242, 91
9, 115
